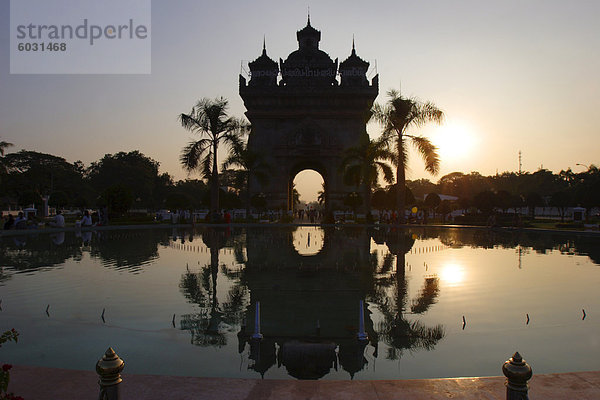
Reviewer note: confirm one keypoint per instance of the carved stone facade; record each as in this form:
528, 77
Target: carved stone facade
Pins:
303, 117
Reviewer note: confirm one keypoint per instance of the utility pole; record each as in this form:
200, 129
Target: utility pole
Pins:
520, 165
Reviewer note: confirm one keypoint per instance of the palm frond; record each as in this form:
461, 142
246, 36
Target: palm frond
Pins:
191, 154
387, 171
428, 152
427, 112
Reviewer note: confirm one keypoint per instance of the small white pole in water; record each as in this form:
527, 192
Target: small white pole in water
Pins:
362, 335
257, 335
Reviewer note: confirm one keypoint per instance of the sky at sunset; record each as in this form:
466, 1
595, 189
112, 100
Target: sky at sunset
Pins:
510, 75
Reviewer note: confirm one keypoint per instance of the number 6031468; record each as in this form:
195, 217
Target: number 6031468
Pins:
42, 46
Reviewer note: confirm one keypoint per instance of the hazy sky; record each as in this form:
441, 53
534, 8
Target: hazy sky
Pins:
510, 75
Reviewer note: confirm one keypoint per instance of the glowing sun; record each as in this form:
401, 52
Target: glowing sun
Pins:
454, 140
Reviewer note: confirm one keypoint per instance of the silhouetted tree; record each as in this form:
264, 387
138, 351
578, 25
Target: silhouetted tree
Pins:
118, 198
398, 116
30, 174
363, 164
252, 165
485, 201
534, 200
561, 200
132, 170
209, 119
432, 201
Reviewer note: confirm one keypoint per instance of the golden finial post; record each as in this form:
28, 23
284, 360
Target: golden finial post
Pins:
517, 373
109, 369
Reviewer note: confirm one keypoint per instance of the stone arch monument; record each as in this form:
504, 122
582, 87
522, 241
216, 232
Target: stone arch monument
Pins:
305, 112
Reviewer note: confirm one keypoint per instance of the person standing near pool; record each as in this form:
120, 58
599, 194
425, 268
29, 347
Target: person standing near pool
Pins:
86, 220
59, 220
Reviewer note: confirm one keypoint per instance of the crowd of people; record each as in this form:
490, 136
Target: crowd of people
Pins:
310, 214
20, 222
31, 221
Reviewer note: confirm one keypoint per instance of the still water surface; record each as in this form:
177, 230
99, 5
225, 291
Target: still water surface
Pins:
183, 302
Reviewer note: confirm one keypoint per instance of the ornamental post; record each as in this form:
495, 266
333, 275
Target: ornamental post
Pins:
109, 369
517, 373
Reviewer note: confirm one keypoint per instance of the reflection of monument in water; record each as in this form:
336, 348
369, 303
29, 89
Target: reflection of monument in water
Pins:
309, 305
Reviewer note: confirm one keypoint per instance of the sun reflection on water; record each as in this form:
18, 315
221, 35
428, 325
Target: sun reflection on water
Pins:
452, 274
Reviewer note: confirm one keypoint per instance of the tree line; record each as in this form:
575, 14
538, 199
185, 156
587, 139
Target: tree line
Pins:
513, 190
126, 180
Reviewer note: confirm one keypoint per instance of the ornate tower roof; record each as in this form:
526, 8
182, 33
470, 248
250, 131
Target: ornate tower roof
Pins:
308, 37
308, 66
354, 70
263, 70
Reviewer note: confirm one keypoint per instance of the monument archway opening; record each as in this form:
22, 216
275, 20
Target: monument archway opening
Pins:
308, 190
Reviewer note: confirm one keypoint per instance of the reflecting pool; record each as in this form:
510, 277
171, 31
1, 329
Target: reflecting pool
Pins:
437, 302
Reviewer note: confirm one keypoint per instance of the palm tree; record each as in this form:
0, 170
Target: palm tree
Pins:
321, 194
251, 164
363, 163
397, 117
209, 119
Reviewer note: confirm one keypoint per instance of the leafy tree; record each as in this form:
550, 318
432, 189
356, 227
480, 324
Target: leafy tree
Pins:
119, 198
485, 201
59, 199
445, 208
587, 189
229, 199
421, 187
178, 201
398, 116
380, 199
503, 200
189, 193
321, 194
543, 182
463, 185
31, 174
386, 198
209, 119
362, 164
133, 170
533, 200
432, 201
561, 200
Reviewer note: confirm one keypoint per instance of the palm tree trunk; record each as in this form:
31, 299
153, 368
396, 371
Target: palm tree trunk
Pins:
400, 181
400, 192
214, 185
